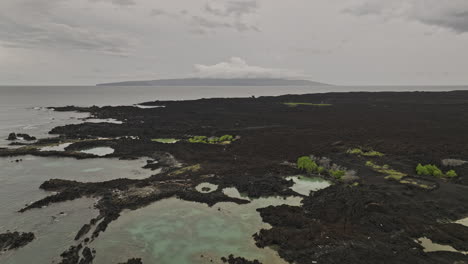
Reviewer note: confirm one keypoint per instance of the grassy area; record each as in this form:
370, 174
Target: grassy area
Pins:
293, 104
415, 183
165, 140
360, 152
385, 169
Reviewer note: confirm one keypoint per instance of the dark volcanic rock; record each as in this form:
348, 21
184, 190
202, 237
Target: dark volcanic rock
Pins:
72, 255
9, 241
133, 261
369, 224
26, 137
87, 256
12, 136
233, 260
83, 231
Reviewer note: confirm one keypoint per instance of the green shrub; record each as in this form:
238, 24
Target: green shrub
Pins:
373, 153
438, 173
213, 140
226, 138
355, 151
321, 169
307, 164
337, 173
358, 151
432, 170
422, 170
451, 174
198, 139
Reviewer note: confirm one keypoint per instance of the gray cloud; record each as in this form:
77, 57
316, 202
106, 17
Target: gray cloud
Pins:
451, 14
232, 8
56, 35
158, 12
39, 28
62, 41
204, 24
232, 13
215, 16
117, 2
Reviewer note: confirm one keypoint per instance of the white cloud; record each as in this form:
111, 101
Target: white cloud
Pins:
238, 68
452, 14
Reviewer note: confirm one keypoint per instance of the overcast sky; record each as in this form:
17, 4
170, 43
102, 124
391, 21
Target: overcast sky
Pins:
350, 42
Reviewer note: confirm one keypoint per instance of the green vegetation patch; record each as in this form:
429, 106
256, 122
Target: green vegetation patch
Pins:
385, 169
193, 168
417, 184
338, 174
165, 140
360, 152
433, 170
226, 139
307, 164
293, 104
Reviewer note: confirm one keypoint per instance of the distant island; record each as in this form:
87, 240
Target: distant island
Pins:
217, 82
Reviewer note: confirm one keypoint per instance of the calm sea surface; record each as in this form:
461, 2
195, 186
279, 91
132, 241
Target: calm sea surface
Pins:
170, 231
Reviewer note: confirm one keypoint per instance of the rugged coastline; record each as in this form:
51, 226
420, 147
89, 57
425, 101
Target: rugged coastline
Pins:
373, 218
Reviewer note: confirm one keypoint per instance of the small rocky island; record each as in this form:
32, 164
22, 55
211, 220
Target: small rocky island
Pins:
397, 162
218, 82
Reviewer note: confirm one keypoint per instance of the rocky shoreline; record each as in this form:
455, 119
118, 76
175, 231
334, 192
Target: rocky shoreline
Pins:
374, 218
14, 240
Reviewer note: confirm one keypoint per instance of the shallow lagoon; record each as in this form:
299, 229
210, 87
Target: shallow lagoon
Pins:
181, 232
304, 185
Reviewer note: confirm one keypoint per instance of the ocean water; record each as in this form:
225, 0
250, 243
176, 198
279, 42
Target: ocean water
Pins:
56, 225
154, 233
